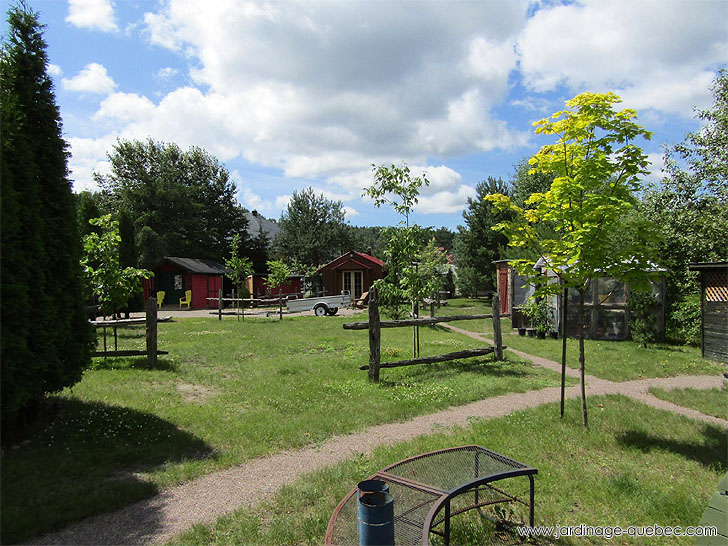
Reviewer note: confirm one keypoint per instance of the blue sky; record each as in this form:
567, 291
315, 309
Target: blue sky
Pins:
295, 94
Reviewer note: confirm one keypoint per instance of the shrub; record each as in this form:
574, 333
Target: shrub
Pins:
683, 324
643, 308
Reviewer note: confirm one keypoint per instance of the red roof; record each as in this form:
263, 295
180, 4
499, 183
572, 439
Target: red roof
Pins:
368, 257
357, 257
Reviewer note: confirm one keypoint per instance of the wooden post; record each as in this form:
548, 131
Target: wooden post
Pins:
152, 332
374, 336
498, 338
219, 304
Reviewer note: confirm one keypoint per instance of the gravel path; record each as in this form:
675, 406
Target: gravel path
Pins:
205, 499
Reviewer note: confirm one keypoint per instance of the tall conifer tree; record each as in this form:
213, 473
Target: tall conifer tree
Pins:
45, 335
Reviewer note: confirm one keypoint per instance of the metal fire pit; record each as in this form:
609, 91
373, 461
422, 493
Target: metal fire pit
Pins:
429, 489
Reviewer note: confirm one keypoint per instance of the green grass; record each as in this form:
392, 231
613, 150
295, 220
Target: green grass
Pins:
227, 392
612, 360
710, 402
635, 466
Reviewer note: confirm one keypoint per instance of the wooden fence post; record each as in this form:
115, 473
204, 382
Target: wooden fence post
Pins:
219, 304
374, 336
498, 338
151, 332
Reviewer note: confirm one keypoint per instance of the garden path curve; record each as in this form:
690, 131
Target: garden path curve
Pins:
203, 500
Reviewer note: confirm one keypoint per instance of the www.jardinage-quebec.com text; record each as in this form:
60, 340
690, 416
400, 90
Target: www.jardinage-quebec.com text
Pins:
607, 532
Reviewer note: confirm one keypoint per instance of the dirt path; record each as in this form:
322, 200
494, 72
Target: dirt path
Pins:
205, 499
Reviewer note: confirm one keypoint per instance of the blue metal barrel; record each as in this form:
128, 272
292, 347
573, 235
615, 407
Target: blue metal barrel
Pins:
376, 518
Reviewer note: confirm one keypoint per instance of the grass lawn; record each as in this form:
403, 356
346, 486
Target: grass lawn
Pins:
635, 466
612, 360
710, 402
228, 391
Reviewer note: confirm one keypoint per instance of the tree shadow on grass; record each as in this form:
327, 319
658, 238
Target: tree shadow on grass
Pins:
133, 363
478, 365
90, 459
710, 453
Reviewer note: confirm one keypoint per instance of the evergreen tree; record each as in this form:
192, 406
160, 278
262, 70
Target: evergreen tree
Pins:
313, 229
477, 246
47, 350
88, 208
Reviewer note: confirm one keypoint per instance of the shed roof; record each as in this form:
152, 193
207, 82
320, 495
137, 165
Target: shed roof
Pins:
358, 257
197, 265
702, 266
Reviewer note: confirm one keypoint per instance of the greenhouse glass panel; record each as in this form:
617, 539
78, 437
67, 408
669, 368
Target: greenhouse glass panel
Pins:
611, 324
611, 291
522, 290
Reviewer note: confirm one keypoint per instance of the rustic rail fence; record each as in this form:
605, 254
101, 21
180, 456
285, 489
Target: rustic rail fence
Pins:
375, 325
150, 320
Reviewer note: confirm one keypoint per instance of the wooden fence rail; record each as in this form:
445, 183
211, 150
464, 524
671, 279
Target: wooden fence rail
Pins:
374, 325
150, 320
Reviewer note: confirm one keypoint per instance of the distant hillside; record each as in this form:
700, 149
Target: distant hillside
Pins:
256, 222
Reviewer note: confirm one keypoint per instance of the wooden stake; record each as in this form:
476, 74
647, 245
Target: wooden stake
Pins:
498, 354
152, 332
374, 336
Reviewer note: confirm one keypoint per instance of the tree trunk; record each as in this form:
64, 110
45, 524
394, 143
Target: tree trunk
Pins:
581, 357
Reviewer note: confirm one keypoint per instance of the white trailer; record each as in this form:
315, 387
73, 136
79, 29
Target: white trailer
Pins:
322, 305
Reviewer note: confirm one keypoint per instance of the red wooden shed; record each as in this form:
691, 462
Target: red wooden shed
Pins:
256, 285
176, 275
353, 271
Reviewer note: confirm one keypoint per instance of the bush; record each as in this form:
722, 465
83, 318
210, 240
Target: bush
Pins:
683, 323
643, 307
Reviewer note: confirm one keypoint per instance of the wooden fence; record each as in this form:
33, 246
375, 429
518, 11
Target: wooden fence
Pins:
150, 320
375, 325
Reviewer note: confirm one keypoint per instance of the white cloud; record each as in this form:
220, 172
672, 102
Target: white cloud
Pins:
324, 90
350, 212
55, 70
657, 163
88, 155
92, 14
166, 73
125, 107
92, 79
654, 52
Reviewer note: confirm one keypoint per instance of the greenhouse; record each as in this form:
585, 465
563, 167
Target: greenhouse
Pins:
606, 313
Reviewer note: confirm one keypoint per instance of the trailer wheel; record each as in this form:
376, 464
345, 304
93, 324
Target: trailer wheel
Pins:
332, 311
320, 310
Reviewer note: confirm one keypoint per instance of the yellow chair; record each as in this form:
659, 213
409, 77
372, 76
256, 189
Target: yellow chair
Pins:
160, 298
187, 300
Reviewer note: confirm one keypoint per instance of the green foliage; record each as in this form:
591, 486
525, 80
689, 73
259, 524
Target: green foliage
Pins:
525, 182
683, 324
597, 170
88, 208
313, 229
478, 245
44, 336
643, 307
183, 202
278, 274
691, 203
394, 186
540, 313
239, 267
111, 283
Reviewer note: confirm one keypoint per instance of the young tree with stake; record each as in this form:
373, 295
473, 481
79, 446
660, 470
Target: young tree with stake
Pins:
598, 171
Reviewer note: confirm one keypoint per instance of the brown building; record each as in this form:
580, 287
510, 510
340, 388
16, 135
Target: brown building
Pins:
353, 271
714, 309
